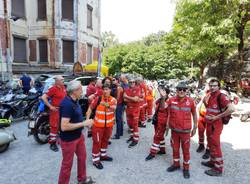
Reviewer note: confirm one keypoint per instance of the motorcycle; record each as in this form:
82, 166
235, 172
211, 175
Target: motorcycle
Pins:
244, 116
6, 135
19, 107
40, 128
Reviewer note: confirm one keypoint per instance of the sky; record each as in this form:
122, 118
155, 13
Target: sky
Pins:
132, 20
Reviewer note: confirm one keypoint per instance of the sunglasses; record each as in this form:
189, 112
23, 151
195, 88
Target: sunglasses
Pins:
132, 82
213, 85
182, 89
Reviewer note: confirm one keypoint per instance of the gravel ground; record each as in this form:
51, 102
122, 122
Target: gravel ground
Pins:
27, 162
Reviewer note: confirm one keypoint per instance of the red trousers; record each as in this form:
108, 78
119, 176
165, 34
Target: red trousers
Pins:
143, 115
133, 120
214, 131
54, 126
68, 150
149, 109
182, 139
202, 126
159, 139
100, 137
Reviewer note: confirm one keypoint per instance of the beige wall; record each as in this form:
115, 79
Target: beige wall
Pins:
77, 31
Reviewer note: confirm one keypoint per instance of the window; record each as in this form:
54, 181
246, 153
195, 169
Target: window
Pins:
20, 50
89, 17
43, 51
18, 8
41, 10
68, 51
68, 10
89, 54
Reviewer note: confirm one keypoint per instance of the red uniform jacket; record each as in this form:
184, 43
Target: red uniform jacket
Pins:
180, 113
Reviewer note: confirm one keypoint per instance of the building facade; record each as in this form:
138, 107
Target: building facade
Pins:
38, 35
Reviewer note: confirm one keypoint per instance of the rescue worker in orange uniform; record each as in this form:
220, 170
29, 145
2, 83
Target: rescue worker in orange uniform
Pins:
202, 126
132, 98
103, 125
150, 102
180, 110
158, 146
57, 93
214, 122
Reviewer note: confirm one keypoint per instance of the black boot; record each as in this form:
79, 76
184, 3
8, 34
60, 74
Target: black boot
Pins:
208, 164
186, 174
132, 144
98, 165
107, 158
173, 168
206, 155
130, 139
212, 172
201, 148
54, 147
149, 157
161, 152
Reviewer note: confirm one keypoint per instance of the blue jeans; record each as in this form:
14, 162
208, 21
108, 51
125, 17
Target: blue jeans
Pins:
119, 120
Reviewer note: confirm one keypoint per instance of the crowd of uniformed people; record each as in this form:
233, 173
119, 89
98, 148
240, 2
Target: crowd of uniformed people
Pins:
112, 98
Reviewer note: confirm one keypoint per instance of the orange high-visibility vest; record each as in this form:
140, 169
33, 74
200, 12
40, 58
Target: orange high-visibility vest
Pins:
203, 110
149, 95
104, 117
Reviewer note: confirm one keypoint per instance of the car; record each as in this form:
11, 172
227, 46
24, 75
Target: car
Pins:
85, 80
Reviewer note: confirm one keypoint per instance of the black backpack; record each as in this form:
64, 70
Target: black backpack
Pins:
225, 119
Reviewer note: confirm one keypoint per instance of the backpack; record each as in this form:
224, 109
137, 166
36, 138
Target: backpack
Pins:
92, 116
225, 119
155, 116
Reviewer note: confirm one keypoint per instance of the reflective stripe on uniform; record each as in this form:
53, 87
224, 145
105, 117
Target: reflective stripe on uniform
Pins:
218, 159
181, 108
96, 159
102, 112
218, 165
103, 121
95, 155
212, 110
155, 148
188, 162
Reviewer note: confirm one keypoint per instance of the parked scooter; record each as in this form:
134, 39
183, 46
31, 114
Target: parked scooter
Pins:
39, 126
6, 135
244, 116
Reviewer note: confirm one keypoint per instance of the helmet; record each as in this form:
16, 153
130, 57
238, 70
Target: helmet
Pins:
161, 82
181, 85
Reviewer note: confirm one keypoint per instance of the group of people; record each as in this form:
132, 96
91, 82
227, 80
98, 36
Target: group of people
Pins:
110, 97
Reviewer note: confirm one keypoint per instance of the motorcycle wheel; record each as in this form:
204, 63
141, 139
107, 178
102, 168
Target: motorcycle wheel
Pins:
244, 117
42, 129
4, 147
33, 113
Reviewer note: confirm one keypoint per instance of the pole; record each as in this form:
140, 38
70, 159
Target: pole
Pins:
99, 66
1, 61
8, 58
